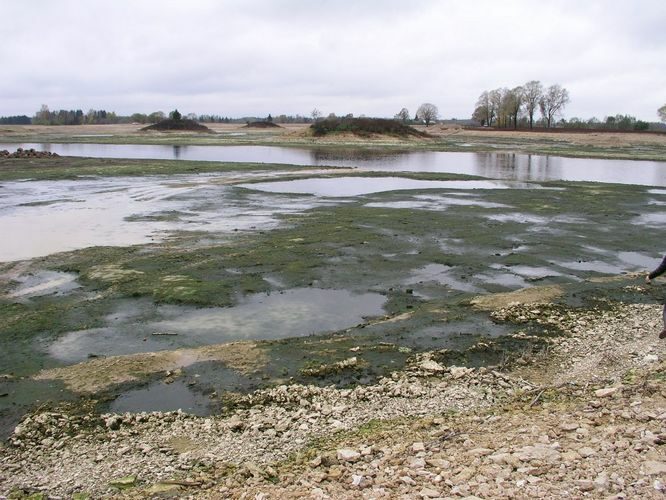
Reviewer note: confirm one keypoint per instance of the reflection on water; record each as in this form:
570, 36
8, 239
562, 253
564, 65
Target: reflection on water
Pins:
159, 396
522, 167
295, 312
356, 186
45, 217
45, 283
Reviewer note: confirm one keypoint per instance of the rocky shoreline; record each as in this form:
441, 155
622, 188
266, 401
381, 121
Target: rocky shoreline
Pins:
586, 418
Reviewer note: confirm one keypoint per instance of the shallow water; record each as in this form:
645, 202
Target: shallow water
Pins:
357, 186
160, 396
45, 283
45, 217
143, 327
521, 167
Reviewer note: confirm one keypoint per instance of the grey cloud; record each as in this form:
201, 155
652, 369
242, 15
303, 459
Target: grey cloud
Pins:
260, 56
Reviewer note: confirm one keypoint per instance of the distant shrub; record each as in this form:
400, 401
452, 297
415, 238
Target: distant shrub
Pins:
641, 125
171, 124
265, 124
364, 127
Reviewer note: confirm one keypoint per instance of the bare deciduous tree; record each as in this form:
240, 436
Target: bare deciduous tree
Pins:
495, 98
483, 112
552, 102
315, 114
662, 113
512, 101
403, 115
532, 92
427, 112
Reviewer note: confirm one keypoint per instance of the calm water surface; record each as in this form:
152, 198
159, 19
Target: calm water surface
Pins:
493, 165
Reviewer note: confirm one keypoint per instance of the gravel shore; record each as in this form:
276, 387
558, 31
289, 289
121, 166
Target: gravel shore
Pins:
586, 419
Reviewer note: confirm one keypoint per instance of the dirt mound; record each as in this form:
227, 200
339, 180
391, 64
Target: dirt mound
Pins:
365, 127
261, 125
26, 153
172, 124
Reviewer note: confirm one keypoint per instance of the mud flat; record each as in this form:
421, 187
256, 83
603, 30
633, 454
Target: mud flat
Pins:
463, 306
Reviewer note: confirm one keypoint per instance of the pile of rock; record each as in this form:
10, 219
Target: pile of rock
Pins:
26, 153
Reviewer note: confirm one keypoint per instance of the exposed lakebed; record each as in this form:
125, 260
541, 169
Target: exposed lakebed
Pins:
315, 270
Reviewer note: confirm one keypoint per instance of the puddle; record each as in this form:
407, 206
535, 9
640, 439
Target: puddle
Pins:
652, 220
518, 217
638, 261
45, 283
532, 272
505, 279
357, 186
423, 202
441, 274
292, 313
596, 266
160, 396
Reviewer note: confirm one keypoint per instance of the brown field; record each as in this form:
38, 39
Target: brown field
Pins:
300, 130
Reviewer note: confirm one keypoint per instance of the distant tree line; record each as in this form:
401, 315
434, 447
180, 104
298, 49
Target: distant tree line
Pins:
45, 116
15, 120
617, 122
73, 117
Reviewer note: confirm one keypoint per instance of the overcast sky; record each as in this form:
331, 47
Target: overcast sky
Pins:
254, 57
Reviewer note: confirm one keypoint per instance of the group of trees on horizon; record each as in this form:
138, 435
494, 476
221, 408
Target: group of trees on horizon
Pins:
77, 117
511, 108
426, 113
502, 107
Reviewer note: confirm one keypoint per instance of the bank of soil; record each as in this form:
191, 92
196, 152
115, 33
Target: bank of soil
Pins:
177, 125
586, 417
646, 146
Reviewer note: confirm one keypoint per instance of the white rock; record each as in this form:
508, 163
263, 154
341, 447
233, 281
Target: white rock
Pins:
439, 463
605, 392
408, 480
585, 485
347, 455
431, 366
538, 452
569, 426
417, 447
429, 493
654, 467
459, 371
417, 463
318, 494
480, 452
602, 482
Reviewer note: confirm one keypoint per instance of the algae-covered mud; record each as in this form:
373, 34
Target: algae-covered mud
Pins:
180, 291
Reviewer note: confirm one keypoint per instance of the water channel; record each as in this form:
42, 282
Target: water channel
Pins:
509, 166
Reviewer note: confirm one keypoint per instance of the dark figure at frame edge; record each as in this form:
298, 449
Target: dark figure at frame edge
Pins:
658, 272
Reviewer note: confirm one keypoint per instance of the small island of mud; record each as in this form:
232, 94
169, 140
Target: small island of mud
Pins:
177, 125
261, 124
365, 127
